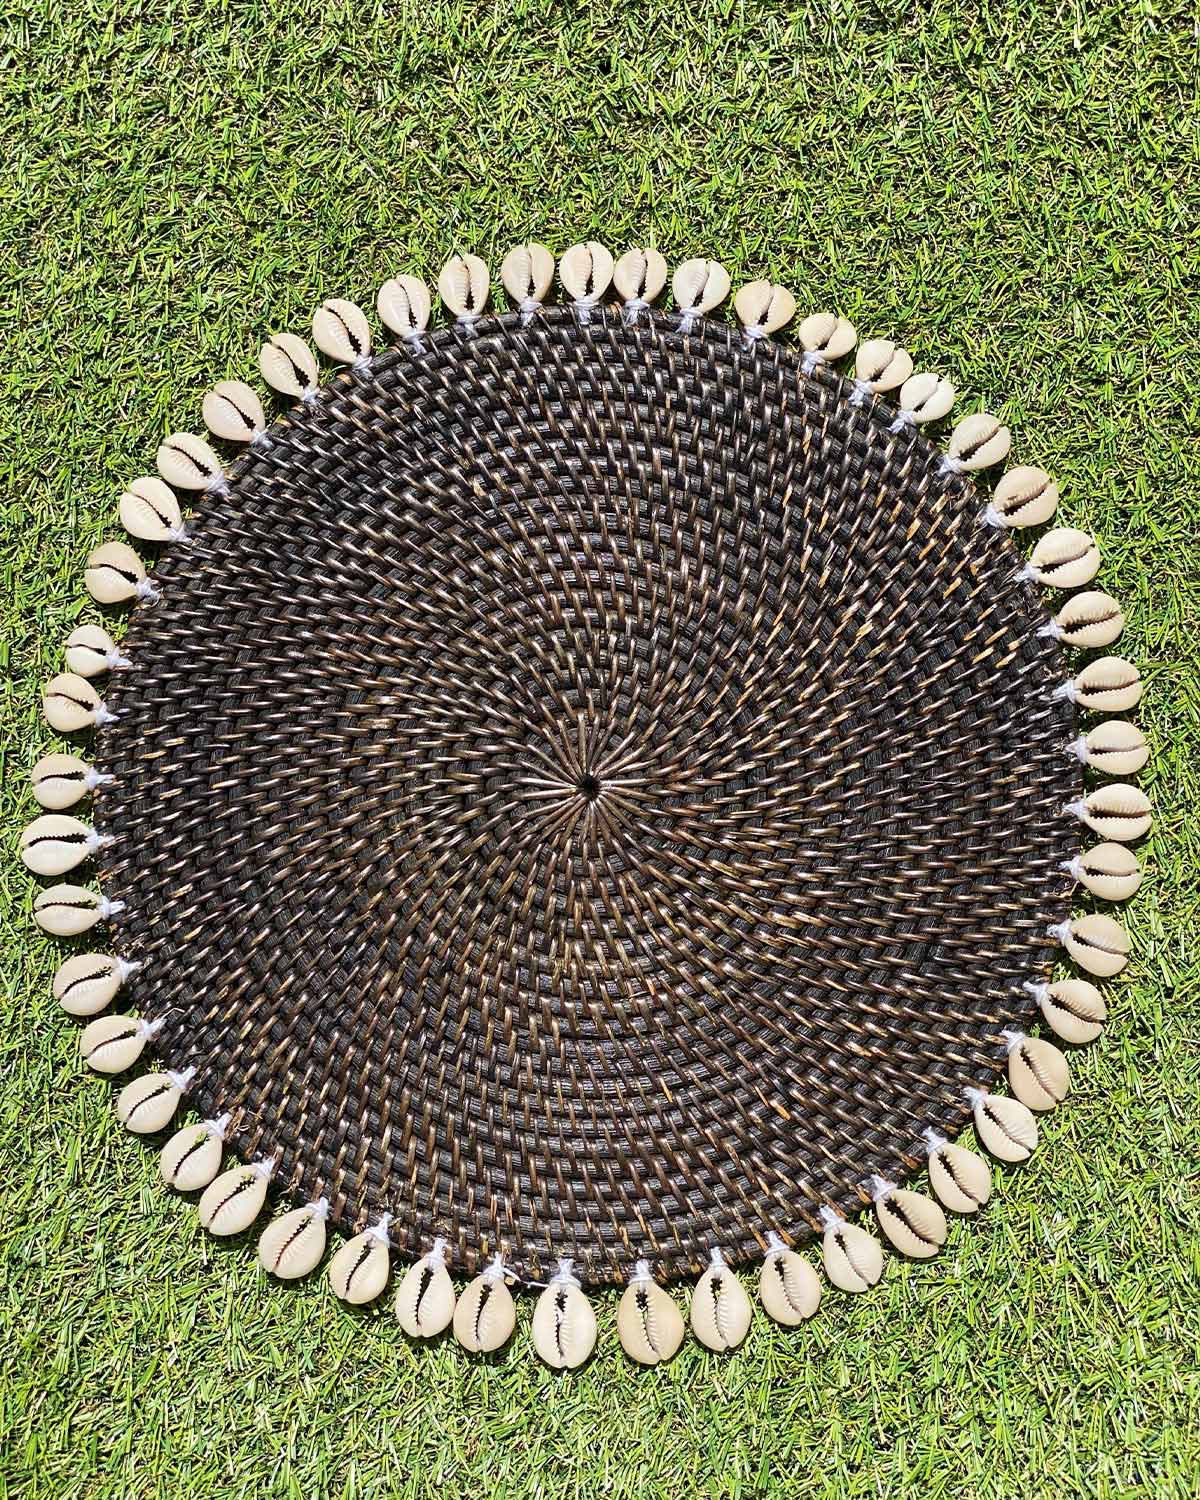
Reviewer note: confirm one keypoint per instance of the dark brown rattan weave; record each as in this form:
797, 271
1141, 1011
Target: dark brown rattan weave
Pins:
589, 791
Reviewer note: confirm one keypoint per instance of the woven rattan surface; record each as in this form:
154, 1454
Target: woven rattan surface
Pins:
588, 790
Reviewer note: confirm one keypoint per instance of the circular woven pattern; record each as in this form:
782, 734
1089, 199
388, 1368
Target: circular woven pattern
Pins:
588, 790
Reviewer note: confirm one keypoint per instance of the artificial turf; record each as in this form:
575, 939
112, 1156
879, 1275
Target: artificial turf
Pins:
1010, 190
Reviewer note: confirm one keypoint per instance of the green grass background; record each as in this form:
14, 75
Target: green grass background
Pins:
1008, 188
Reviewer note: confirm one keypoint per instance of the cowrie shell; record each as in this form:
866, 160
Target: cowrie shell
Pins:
1025, 496
485, 1315
1038, 1073
232, 410
699, 285
60, 780
1119, 811
527, 273
1109, 683
87, 982
853, 1257
67, 910
640, 274
914, 1224
463, 285
827, 335
882, 364
1116, 747
232, 1201
149, 1103
360, 1269
788, 1287
191, 1158
1005, 1127
405, 306
55, 843
720, 1312
564, 1326
90, 651
586, 271
110, 1044
341, 331
425, 1299
649, 1323
288, 365
1090, 619
188, 463
1065, 558
1074, 1009
1098, 945
961, 1179
149, 511
979, 441
765, 306
926, 397
292, 1245
70, 703
1110, 871
114, 573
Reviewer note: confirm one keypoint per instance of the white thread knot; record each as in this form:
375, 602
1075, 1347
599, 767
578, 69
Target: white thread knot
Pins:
106, 908
148, 1029
1079, 749
148, 592
93, 778
716, 1260
1059, 930
1077, 809
830, 1218
565, 1275
641, 1271
1074, 867
181, 1080
104, 715
1012, 1039
634, 307
775, 1242
991, 515
975, 1097
498, 1271
436, 1254
933, 1140
126, 967
217, 1128
880, 1188
1068, 691
379, 1230
320, 1209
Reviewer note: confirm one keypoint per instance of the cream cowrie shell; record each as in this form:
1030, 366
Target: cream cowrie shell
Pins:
827, 336
882, 364
1115, 747
360, 1269
1109, 871
926, 397
111, 1044
699, 285
1119, 811
1074, 1009
91, 651
853, 1257
71, 703
288, 365
979, 441
720, 1312
149, 511
56, 843
188, 463
67, 910
640, 275
192, 1157
586, 271
405, 306
292, 1245
60, 781
764, 307
463, 286
961, 1179
788, 1286
340, 330
425, 1299
527, 273
1098, 945
485, 1315
1005, 1127
1088, 620
649, 1323
148, 1104
1037, 1072
232, 410
564, 1325
232, 1201
914, 1224
1065, 558
87, 982
1110, 683
1025, 496
114, 574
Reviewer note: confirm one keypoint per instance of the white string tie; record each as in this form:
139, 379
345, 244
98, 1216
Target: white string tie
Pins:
148, 1029
1077, 809
565, 1275
1067, 691
830, 1218
1073, 867
379, 1230
902, 420
1040, 992
880, 1188
217, 1128
498, 1271
528, 307
1051, 630
933, 1140
95, 841
104, 715
436, 1254
991, 515
106, 908
862, 389
812, 358
1012, 1039
634, 307
126, 967
775, 1243
181, 1080
641, 1272
147, 592
1059, 930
